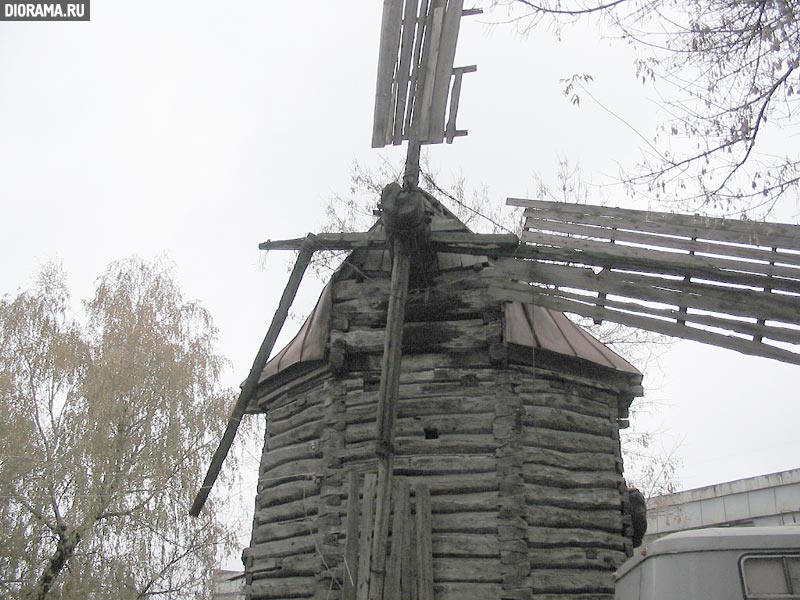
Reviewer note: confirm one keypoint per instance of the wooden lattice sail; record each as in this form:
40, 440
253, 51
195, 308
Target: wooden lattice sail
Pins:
729, 283
418, 89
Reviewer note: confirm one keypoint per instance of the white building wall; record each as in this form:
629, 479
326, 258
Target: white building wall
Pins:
764, 500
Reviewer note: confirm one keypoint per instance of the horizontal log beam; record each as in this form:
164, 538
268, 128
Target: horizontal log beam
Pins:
443, 241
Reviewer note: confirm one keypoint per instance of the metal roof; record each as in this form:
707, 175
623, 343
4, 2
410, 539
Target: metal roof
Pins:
530, 326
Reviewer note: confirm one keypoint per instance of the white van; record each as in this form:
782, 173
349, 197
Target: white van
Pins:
731, 563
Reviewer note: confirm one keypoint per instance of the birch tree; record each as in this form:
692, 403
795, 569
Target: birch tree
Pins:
105, 424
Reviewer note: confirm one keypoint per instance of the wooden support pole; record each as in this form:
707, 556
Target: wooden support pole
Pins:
387, 410
250, 384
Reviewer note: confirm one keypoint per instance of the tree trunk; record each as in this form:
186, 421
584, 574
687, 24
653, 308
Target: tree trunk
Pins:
63, 552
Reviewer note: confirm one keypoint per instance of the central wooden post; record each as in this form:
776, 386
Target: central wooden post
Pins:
387, 411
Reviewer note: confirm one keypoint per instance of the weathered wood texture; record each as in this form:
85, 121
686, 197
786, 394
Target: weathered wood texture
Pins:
522, 466
415, 68
734, 284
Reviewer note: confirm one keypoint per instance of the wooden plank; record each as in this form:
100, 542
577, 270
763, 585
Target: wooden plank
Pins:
430, 57
294, 587
758, 331
424, 544
351, 544
444, 70
462, 242
250, 384
365, 542
402, 515
413, 85
408, 585
664, 327
691, 226
450, 131
570, 581
658, 239
403, 75
740, 302
618, 256
387, 58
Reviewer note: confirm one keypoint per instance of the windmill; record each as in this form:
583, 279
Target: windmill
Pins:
728, 283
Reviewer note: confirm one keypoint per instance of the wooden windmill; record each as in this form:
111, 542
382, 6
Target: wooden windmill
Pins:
501, 477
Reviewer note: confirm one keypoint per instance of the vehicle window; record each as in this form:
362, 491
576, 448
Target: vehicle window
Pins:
770, 576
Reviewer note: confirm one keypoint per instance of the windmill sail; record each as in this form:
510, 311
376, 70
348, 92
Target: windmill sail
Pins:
729, 283
415, 70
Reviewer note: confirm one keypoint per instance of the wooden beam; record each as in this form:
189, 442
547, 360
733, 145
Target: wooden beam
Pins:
443, 241
387, 409
251, 383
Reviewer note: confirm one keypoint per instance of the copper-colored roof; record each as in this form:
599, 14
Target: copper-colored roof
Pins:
525, 325
546, 329
310, 342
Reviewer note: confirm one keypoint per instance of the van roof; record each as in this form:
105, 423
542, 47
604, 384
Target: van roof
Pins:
785, 537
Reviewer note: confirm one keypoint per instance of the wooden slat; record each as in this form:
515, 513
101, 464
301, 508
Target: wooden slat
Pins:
403, 75
430, 57
644, 237
455, 95
387, 59
744, 303
365, 542
515, 292
250, 384
351, 544
402, 515
417, 69
690, 226
444, 70
424, 544
618, 256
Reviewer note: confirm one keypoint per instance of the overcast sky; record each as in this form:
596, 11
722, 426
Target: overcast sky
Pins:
197, 129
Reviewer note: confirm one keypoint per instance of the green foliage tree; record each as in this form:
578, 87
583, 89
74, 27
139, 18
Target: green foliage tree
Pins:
105, 427
726, 71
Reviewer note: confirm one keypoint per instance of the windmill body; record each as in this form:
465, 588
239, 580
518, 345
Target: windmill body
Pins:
506, 466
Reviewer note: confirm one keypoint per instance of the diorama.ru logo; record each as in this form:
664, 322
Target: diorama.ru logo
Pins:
44, 11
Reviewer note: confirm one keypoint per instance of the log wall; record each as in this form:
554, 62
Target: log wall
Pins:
523, 467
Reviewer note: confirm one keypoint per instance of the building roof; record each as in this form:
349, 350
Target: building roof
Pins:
529, 326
